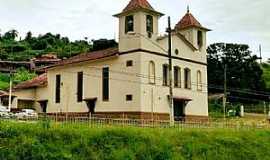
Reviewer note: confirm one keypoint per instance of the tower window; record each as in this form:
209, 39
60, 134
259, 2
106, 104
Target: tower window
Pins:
200, 39
149, 24
176, 51
105, 83
187, 74
165, 75
129, 24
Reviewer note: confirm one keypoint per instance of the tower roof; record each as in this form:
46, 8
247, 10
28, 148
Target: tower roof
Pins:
139, 4
189, 21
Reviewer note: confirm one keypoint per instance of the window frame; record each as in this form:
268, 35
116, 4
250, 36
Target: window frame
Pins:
177, 76
187, 78
152, 72
129, 97
129, 27
165, 76
150, 25
129, 63
199, 81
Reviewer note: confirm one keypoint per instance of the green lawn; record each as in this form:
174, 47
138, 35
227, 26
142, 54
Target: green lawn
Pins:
38, 141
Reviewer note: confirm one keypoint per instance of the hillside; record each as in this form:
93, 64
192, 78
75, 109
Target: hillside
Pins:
80, 142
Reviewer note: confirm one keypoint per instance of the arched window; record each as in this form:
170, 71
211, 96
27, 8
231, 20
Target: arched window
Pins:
187, 74
200, 39
165, 74
152, 73
199, 81
177, 76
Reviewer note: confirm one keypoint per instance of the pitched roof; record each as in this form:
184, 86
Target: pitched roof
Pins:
39, 81
88, 56
139, 4
135, 4
189, 21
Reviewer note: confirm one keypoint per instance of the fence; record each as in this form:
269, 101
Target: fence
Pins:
230, 123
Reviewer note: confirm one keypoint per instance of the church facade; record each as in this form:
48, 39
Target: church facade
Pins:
132, 80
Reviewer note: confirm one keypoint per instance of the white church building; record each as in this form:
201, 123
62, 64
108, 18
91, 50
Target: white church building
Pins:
132, 80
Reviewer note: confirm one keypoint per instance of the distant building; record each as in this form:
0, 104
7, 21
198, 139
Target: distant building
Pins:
131, 80
36, 64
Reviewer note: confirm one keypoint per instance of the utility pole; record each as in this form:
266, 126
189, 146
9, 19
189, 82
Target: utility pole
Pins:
225, 91
10, 91
169, 30
260, 50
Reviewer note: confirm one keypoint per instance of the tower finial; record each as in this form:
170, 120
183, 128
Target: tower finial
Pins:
188, 9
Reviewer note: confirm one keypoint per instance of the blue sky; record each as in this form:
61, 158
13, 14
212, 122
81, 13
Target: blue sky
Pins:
241, 21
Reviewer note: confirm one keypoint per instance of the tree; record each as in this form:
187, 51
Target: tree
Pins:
103, 44
23, 75
28, 36
243, 71
11, 35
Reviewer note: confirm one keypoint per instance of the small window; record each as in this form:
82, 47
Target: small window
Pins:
165, 75
129, 97
176, 51
129, 24
200, 39
187, 74
177, 76
152, 73
199, 80
149, 24
129, 63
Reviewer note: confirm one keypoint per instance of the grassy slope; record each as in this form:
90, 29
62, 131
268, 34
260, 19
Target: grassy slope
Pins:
32, 141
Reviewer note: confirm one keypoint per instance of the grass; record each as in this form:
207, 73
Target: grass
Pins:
38, 141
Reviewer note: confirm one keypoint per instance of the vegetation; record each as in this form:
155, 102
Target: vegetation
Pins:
30, 47
244, 73
21, 75
266, 74
39, 141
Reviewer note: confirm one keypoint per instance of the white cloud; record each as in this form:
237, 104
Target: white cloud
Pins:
241, 21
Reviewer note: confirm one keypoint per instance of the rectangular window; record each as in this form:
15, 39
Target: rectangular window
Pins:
129, 63
80, 87
187, 78
57, 88
129, 97
177, 77
129, 24
165, 75
105, 83
149, 24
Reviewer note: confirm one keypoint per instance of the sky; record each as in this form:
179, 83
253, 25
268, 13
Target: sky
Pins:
232, 21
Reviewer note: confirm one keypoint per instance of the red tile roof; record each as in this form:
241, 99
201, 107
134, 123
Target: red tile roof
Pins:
188, 21
88, 56
139, 4
39, 81
135, 4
